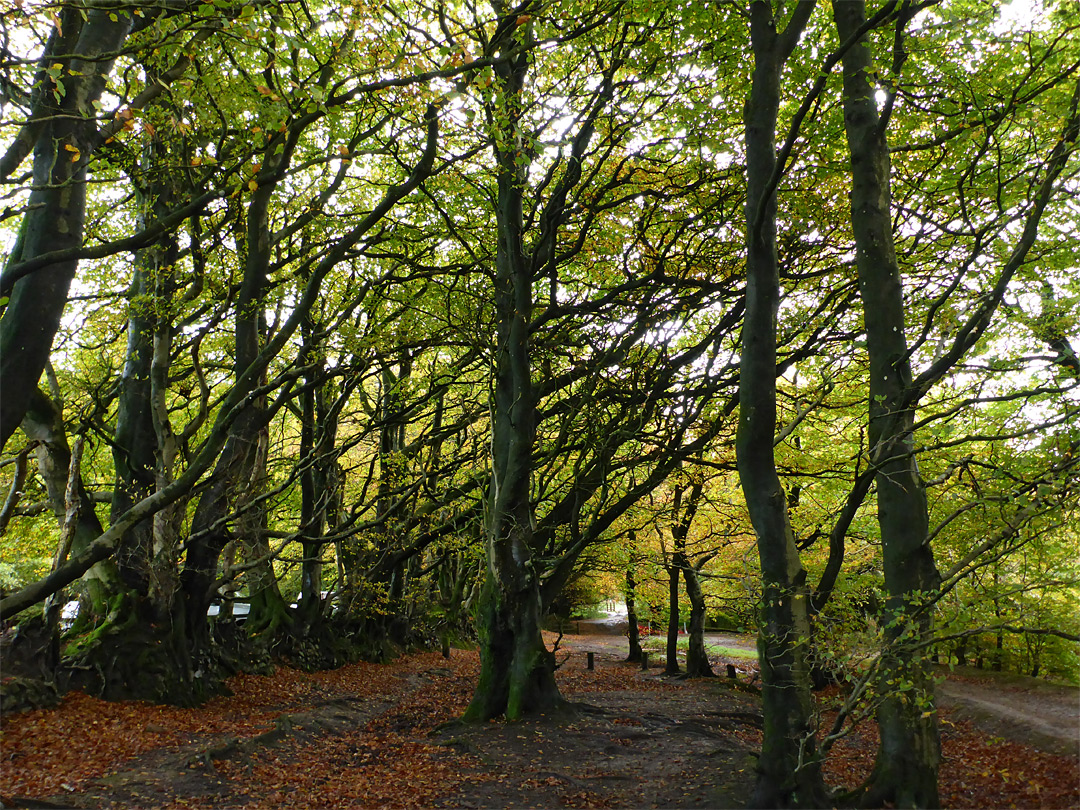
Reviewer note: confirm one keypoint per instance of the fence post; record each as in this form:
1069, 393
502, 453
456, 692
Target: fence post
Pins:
590, 657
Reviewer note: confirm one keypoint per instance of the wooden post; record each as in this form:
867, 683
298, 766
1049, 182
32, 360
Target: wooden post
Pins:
644, 660
590, 659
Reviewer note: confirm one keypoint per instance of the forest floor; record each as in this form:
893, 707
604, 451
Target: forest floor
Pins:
371, 735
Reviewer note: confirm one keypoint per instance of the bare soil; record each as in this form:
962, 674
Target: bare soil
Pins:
1014, 707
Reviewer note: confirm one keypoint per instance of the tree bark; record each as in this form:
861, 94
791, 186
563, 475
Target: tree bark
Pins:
65, 138
789, 770
517, 675
697, 658
236, 467
136, 453
44, 423
906, 769
672, 647
631, 601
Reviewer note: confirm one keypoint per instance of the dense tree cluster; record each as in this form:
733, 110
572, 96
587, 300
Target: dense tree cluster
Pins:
394, 323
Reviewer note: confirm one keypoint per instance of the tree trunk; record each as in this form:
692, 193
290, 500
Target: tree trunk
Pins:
906, 770
517, 675
789, 770
238, 463
697, 659
392, 472
672, 651
44, 423
631, 602
516, 669
136, 454
85, 47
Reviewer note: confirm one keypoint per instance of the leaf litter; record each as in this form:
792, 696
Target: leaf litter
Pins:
640, 740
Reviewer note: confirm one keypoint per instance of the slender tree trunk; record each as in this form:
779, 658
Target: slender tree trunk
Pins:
392, 469
312, 515
237, 464
631, 601
789, 771
906, 770
135, 450
672, 650
44, 423
697, 658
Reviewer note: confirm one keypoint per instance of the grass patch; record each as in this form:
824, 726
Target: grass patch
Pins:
659, 644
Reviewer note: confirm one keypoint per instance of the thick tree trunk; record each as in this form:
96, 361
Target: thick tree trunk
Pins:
789, 770
905, 773
517, 675
516, 668
209, 530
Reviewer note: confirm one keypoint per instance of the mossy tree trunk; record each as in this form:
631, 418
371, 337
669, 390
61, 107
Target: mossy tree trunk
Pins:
517, 676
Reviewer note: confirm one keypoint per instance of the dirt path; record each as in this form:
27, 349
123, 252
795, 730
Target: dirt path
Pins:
378, 736
1013, 707
1005, 705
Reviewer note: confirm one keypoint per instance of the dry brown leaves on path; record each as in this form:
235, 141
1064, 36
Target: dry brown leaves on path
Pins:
650, 742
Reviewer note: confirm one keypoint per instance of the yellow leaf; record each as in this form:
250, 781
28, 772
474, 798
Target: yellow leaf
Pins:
252, 185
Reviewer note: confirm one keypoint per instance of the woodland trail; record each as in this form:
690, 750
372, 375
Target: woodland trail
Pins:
371, 735
1044, 715
1010, 706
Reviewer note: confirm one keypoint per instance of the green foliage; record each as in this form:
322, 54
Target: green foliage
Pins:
26, 552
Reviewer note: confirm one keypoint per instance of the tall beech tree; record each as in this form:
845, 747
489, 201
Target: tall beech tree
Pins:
909, 753
789, 773
517, 674
906, 768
